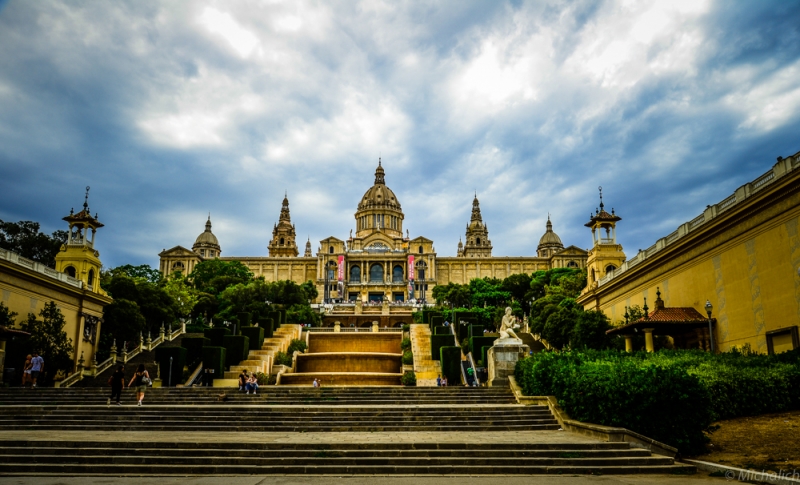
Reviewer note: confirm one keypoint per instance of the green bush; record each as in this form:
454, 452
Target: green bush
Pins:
262, 379
244, 319
266, 324
408, 358
296, 345
238, 348
282, 358
451, 364
215, 335
406, 327
214, 358
405, 344
409, 379
256, 336
178, 355
194, 349
671, 395
437, 342
477, 343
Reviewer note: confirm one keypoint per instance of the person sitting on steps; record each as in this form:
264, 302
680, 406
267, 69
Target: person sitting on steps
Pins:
242, 379
252, 383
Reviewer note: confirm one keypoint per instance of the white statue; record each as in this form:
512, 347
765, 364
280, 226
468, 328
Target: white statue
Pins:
507, 326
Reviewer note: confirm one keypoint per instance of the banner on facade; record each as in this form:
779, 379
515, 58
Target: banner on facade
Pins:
341, 268
410, 267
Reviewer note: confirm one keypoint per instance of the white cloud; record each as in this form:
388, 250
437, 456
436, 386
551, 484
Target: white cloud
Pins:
222, 23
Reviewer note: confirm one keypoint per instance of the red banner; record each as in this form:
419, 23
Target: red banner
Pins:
410, 267
341, 267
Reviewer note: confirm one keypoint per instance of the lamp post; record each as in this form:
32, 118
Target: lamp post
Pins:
709, 307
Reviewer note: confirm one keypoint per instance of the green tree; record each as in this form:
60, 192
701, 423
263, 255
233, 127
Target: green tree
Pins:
488, 292
589, 331
138, 273
181, 292
7, 317
519, 287
558, 327
25, 239
310, 289
213, 276
156, 305
49, 338
122, 321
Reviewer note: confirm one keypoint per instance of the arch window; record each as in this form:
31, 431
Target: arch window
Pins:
331, 270
572, 264
91, 277
397, 274
178, 266
376, 273
70, 270
281, 242
203, 253
330, 250
421, 267
355, 274
420, 250
478, 241
594, 278
610, 268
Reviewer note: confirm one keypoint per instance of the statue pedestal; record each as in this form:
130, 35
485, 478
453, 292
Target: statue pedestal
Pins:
502, 358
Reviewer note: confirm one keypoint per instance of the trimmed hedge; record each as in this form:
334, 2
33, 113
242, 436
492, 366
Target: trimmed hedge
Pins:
436, 320
215, 335
276, 319
267, 325
238, 347
244, 319
484, 355
194, 348
255, 335
214, 358
476, 330
476, 343
670, 396
437, 342
178, 355
463, 329
441, 330
450, 358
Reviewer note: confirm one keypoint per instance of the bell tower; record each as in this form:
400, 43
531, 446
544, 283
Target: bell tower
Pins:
606, 255
77, 257
283, 234
478, 243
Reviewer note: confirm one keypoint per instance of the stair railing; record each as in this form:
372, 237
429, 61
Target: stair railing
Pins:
196, 377
464, 380
474, 369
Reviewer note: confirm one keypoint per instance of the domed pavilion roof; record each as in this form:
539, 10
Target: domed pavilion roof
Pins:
207, 238
379, 195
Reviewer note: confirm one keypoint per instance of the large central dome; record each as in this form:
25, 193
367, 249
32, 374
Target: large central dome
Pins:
379, 210
379, 195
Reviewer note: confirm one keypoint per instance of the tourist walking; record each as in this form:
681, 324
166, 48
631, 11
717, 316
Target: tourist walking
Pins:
37, 367
26, 371
117, 382
140, 378
316, 383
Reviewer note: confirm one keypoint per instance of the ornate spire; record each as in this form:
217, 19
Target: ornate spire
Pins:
600, 188
208, 223
308, 248
285, 209
476, 210
86, 200
379, 174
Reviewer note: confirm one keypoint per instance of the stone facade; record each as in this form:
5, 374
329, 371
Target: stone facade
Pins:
379, 262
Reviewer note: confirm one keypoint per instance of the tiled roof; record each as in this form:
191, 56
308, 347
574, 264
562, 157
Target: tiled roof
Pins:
675, 315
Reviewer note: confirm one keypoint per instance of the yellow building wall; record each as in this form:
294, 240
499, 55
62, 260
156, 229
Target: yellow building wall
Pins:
751, 280
25, 291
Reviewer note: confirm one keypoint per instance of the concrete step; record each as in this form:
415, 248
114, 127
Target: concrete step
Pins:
184, 457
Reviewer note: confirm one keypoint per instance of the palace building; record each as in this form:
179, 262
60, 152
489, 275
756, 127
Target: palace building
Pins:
379, 262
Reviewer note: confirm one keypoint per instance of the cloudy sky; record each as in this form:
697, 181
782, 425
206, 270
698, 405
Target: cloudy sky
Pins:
172, 110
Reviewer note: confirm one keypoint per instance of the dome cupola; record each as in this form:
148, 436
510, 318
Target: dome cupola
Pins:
206, 244
379, 210
549, 243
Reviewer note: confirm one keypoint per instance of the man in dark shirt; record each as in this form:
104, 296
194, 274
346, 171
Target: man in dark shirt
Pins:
117, 381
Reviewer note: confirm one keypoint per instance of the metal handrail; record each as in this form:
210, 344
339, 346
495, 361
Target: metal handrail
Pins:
474, 369
461, 367
196, 376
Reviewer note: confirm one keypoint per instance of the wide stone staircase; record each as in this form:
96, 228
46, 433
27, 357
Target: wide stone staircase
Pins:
299, 430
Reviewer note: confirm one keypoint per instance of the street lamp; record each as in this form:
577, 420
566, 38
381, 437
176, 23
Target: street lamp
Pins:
709, 307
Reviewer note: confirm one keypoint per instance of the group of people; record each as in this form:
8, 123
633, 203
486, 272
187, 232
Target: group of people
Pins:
34, 365
441, 381
248, 382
